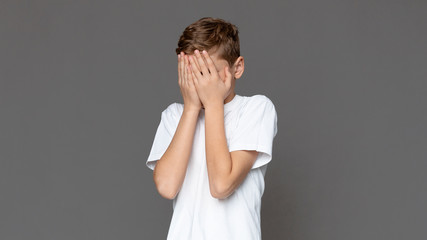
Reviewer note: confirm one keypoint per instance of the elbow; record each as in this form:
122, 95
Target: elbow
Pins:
166, 191
220, 191
165, 188
167, 195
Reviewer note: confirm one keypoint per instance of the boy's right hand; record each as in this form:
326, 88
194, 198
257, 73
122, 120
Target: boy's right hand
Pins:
186, 84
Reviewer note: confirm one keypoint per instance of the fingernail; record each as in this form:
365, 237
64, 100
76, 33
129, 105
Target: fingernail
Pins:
204, 51
196, 51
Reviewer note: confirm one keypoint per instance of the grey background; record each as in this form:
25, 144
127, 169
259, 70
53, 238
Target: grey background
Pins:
83, 84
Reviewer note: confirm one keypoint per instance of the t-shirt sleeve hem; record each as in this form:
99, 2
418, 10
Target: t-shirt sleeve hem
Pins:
152, 160
264, 153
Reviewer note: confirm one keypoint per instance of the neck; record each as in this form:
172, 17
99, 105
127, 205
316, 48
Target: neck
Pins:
229, 97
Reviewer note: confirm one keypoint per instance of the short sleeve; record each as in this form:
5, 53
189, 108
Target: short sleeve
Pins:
164, 134
256, 129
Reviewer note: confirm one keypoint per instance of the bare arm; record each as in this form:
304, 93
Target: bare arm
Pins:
226, 171
170, 169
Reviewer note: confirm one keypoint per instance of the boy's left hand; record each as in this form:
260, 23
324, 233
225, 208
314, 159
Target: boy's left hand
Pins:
209, 85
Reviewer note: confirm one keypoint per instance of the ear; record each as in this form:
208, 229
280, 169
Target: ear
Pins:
239, 67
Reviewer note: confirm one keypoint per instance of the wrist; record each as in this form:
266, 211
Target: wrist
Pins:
191, 109
214, 105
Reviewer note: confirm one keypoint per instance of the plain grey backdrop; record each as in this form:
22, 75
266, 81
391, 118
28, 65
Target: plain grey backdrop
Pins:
83, 84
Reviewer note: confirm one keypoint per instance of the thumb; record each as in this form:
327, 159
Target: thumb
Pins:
228, 76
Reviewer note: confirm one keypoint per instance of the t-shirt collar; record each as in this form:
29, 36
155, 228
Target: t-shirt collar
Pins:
231, 104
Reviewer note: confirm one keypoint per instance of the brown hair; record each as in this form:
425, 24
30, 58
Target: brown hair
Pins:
211, 33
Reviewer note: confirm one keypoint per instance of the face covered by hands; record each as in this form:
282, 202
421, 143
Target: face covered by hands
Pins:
211, 88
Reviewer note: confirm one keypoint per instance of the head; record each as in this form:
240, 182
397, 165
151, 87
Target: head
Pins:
219, 38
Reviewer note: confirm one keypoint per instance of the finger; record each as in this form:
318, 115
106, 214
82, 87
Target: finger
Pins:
179, 68
182, 67
185, 71
187, 68
228, 77
194, 78
210, 64
195, 71
190, 77
201, 62
197, 65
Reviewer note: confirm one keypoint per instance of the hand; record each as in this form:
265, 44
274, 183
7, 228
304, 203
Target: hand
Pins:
186, 84
209, 85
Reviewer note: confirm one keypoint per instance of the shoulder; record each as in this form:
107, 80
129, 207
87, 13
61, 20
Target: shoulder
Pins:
261, 98
259, 101
174, 109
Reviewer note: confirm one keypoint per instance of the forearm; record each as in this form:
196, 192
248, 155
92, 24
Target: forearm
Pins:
218, 158
170, 169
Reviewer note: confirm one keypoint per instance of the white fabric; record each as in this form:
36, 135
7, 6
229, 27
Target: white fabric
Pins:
250, 124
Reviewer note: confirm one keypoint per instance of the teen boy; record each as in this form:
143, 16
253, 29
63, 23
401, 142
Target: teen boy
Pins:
210, 154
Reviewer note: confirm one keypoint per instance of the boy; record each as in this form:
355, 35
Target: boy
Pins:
210, 154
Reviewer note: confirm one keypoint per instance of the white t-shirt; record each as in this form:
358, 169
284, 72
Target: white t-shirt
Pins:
250, 124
